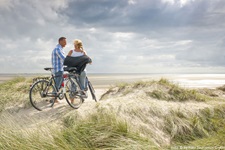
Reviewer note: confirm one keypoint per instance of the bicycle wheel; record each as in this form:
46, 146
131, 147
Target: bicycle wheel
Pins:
72, 94
92, 90
41, 93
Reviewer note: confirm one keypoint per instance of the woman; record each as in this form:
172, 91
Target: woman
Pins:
77, 52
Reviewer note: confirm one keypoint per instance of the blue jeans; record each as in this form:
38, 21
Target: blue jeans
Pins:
82, 80
58, 79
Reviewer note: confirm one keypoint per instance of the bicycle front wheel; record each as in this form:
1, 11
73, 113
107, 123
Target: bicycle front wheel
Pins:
72, 94
41, 94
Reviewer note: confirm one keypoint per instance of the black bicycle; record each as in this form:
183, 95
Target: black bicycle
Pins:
43, 93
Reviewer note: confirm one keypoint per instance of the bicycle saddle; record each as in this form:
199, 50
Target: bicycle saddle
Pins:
70, 69
48, 68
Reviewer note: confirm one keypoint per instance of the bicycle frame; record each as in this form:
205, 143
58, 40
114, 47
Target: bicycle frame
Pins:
45, 91
73, 77
50, 82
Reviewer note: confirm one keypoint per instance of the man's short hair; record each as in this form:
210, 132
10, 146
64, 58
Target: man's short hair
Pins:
61, 38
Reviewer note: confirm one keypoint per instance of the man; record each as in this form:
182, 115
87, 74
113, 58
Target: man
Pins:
58, 56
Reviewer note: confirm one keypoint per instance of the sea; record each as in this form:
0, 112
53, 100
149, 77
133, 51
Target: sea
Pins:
108, 79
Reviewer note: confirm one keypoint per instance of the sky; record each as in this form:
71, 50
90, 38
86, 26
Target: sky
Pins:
121, 36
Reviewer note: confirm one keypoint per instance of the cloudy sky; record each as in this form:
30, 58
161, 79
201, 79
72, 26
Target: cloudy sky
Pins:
121, 36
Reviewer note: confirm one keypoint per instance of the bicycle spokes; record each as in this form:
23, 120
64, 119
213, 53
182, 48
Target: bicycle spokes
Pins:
41, 94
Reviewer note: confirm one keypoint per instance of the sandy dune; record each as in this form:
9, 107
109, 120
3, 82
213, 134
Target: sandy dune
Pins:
143, 113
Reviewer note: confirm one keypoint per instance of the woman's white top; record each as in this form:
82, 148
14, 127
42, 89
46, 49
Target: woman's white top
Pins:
76, 54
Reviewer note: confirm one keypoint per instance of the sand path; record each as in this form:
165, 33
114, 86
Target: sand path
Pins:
30, 117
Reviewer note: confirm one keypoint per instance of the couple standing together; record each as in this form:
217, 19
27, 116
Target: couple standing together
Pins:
58, 57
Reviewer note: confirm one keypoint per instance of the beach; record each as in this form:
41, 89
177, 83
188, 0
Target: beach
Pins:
184, 80
102, 81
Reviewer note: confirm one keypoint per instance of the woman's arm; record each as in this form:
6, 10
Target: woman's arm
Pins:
85, 53
70, 53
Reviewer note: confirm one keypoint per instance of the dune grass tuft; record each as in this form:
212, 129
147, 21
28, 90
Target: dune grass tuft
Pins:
222, 88
184, 129
162, 90
100, 130
173, 92
14, 91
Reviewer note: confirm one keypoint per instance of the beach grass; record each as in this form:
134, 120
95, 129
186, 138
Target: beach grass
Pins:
162, 89
186, 128
15, 92
141, 115
102, 130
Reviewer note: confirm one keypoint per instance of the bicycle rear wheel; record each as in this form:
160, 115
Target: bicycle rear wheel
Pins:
72, 95
41, 93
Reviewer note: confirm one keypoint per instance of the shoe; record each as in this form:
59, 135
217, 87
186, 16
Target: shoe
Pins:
84, 94
73, 94
53, 99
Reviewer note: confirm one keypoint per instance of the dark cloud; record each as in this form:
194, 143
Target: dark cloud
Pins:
145, 14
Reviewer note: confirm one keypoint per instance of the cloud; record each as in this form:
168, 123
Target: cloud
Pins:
119, 35
23, 18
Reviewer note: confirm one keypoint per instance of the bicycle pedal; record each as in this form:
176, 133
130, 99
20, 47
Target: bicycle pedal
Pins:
51, 100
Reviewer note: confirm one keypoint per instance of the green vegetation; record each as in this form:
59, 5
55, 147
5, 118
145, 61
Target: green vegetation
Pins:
207, 128
15, 92
176, 93
100, 130
36, 138
135, 124
222, 88
215, 140
162, 90
173, 92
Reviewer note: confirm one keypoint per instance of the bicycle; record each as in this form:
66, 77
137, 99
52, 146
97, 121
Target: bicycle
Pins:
73, 79
43, 89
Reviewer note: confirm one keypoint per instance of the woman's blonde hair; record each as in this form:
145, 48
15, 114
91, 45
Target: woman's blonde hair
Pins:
78, 43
